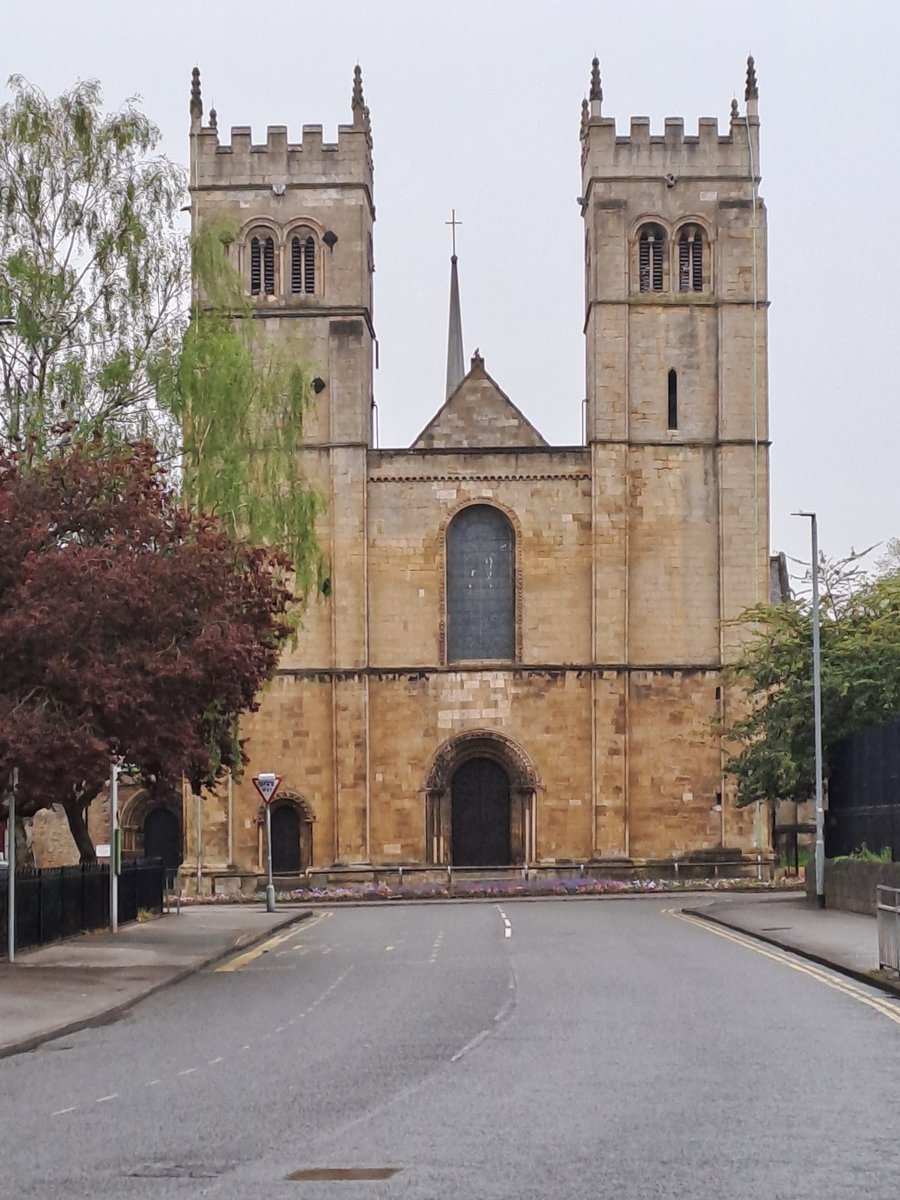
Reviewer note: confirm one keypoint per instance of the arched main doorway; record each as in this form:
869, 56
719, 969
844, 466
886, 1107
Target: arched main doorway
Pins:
479, 815
162, 837
480, 802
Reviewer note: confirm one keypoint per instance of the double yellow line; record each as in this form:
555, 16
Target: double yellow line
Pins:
241, 960
885, 1007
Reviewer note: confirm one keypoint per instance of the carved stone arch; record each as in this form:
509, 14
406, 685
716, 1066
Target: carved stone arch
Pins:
311, 223
289, 796
649, 219
704, 223
449, 516
498, 748
267, 224
481, 743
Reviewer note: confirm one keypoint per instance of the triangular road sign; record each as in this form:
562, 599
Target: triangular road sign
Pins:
267, 785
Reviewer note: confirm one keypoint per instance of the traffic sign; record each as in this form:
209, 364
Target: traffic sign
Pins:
267, 784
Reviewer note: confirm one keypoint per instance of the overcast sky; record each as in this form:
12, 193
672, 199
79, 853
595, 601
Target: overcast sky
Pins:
476, 104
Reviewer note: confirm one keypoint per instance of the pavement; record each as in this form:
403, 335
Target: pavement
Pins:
526, 1050
844, 941
57, 989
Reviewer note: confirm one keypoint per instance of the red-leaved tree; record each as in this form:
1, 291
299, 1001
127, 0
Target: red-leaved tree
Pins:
129, 626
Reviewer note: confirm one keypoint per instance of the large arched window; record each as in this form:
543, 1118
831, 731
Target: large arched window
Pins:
690, 259
303, 264
481, 608
651, 258
262, 265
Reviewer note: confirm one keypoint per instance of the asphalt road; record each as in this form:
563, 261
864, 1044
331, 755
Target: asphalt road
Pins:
604, 1049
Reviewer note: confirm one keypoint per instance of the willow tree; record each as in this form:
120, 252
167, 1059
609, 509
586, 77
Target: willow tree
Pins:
122, 330
93, 269
240, 404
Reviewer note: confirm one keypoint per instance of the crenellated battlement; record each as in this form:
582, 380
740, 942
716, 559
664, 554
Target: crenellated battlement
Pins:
312, 160
708, 154
278, 160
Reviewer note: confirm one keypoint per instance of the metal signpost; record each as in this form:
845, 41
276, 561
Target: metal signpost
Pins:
11, 868
267, 784
114, 855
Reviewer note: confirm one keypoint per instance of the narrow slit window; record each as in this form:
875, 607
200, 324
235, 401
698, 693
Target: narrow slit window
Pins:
673, 400
690, 260
651, 251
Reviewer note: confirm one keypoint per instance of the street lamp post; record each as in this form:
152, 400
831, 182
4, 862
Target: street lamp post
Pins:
817, 710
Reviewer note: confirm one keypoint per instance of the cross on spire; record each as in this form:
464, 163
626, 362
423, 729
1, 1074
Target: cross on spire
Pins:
453, 224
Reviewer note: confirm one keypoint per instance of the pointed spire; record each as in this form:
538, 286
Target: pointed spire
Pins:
585, 117
196, 101
213, 119
358, 104
455, 368
751, 91
735, 111
596, 93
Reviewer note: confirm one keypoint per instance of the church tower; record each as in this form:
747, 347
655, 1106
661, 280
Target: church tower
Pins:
302, 214
676, 350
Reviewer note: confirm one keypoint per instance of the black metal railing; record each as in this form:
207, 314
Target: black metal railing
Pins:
58, 902
864, 793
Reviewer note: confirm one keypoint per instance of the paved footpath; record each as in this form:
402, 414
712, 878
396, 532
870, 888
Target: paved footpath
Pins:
86, 980
844, 940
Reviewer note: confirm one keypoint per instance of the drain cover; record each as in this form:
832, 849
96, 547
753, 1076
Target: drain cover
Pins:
174, 1171
321, 1174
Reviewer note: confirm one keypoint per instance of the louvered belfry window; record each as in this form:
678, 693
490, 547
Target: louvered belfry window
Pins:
255, 267
690, 260
481, 607
651, 250
262, 266
269, 266
303, 265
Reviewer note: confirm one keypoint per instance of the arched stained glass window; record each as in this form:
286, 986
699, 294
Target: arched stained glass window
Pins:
481, 607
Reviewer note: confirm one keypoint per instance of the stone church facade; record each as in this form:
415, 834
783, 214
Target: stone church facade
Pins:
518, 656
